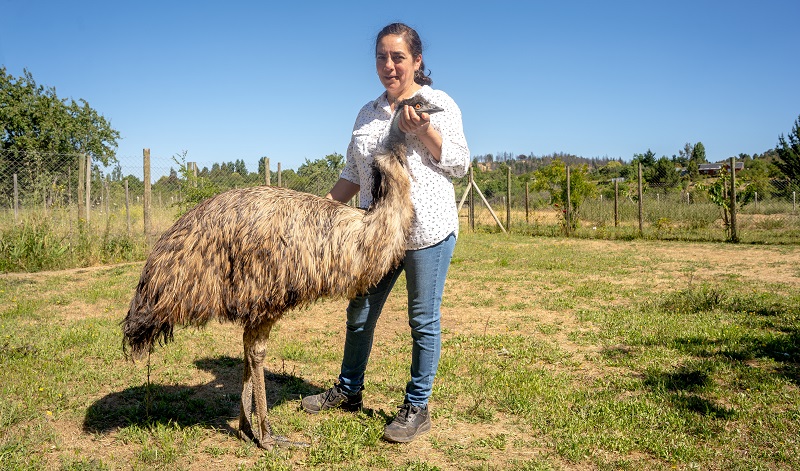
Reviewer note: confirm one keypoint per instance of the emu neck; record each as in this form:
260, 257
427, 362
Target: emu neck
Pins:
396, 140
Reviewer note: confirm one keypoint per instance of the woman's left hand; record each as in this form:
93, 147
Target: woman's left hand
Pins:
413, 123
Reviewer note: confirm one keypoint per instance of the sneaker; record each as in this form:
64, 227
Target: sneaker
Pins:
409, 422
330, 399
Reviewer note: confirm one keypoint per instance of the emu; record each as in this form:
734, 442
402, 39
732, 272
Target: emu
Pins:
249, 255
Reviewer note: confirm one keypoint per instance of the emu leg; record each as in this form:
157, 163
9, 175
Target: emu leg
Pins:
254, 393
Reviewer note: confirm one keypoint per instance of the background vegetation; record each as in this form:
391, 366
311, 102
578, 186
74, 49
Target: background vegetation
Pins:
558, 354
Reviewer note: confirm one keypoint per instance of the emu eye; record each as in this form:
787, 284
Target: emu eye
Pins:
418, 106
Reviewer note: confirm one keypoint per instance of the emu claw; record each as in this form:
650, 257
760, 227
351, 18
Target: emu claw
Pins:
285, 442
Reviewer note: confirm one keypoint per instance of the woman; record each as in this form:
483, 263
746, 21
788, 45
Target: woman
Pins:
437, 150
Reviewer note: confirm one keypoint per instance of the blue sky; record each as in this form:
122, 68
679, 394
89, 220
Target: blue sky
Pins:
241, 80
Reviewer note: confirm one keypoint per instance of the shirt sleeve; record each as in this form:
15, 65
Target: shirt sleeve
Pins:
455, 158
350, 170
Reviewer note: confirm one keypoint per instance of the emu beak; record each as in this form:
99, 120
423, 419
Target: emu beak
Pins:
429, 108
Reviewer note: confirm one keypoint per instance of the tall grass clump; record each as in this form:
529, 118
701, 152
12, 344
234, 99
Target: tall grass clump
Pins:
38, 244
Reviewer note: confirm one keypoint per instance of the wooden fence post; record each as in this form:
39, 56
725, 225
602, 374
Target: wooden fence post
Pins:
471, 200
508, 199
147, 194
127, 208
279, 174
527, 202
266, 171
16, 199
107, 185
734, 232
641, 197
81, 186
616, 202
88, 187
568, 205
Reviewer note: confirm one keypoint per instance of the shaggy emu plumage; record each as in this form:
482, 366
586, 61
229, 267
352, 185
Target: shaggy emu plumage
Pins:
249, 255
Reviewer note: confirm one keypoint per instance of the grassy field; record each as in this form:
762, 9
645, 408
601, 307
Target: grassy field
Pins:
557, 354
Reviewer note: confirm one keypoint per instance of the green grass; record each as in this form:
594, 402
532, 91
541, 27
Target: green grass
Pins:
557, 354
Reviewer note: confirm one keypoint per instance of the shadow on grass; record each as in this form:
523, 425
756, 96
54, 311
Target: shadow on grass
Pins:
769, 326
211, 405
781, 346
684, 387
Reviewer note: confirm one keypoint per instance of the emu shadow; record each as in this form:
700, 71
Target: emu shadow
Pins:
684, 387
211, 405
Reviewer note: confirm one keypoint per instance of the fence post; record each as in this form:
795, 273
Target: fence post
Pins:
127, 208
147, 193
734, 232
16, 199
107, 185
527, 202
616, 203
641, 197
279, 175
508, 199
88, 187
471, 200
81, 186
266, 171
568, 205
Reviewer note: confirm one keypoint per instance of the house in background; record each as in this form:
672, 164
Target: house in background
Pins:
713, 170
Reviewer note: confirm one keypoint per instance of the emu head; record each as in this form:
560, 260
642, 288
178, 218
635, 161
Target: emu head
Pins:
395, 143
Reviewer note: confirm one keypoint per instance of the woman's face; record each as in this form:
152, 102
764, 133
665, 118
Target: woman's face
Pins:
396, 66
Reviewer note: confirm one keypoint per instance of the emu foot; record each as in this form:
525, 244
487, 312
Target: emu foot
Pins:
266, 439
270, 441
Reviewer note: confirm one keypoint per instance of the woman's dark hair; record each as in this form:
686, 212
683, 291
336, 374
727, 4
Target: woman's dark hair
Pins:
414, 44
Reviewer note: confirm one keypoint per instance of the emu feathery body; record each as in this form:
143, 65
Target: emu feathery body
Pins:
249, 255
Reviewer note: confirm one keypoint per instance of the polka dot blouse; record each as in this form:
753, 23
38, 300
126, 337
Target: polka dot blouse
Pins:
432, 192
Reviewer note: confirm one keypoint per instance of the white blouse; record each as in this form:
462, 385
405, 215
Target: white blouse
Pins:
432, 193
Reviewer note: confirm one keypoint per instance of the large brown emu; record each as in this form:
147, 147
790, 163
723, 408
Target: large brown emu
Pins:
249, 255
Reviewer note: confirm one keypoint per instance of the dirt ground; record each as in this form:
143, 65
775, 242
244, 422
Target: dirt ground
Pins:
667, 266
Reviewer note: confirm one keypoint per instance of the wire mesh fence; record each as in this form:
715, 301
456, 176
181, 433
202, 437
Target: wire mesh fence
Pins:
81, 200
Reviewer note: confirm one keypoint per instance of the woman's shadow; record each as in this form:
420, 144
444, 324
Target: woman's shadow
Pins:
212, 404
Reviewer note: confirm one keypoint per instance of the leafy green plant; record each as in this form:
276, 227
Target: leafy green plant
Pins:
553, 178
194, 189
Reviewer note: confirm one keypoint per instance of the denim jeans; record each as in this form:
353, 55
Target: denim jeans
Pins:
426, 270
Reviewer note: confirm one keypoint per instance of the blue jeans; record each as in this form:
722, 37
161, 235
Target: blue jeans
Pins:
426, 270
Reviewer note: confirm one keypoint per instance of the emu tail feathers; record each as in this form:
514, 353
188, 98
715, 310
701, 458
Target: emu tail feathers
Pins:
141, 328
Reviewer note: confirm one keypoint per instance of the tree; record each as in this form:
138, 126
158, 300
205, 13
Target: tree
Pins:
662, 174
43, 135
789, 153
647, 159
685, 154
553, 178
698, 153
319, 176
35, 119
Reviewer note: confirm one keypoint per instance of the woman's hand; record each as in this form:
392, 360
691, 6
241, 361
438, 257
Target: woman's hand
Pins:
420, 126
413, 123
